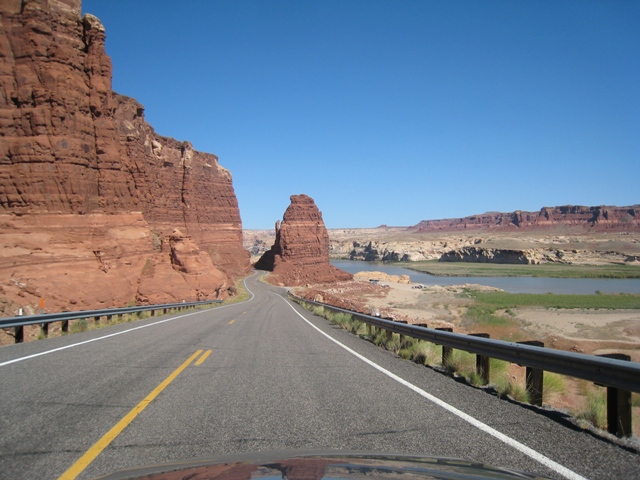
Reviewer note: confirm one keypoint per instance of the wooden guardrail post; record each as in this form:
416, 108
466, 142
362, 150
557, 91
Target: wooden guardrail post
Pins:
483, 365
446, 351
535, 378
44, 329
64, 327
18, 334
402, 336
618, 405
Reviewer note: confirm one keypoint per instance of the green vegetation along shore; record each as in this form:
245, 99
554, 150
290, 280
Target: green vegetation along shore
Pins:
552, 270
503, 300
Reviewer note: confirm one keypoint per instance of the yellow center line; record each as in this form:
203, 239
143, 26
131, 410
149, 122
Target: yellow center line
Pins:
231, 322
91, 454
203, 357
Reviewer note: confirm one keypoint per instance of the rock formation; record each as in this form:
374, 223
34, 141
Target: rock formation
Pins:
300, 254
597, 219
90, 195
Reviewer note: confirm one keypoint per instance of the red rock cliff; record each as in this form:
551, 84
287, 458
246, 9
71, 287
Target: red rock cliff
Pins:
88, 190
300, 253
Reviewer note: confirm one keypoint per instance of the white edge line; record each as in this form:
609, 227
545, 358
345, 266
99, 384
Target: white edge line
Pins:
546, 461
20, 359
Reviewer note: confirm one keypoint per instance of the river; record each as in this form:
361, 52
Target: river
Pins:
508, 284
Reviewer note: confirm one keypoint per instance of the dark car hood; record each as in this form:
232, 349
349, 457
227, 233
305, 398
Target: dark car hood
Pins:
314, 465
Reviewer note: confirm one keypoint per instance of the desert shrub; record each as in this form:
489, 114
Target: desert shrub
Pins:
79, 326
357, 327
405, 353
393, 344
460, 362
498, 367
380, 338
595, 409
553, 385
342, 319
507, 387
425, 353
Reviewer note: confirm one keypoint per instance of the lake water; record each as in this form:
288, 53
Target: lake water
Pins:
508, 284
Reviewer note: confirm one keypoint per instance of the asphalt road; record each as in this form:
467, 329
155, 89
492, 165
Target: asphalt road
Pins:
274, 379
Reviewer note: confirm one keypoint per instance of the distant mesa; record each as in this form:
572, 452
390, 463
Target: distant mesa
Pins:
300, 253
596, 219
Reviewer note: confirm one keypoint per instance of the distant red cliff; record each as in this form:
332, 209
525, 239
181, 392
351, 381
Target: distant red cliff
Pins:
597, 219
98, 210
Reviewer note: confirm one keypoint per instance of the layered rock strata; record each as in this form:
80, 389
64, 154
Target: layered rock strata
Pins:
90, 195
300, 253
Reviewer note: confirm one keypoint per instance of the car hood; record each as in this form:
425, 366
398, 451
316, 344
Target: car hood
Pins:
314, 465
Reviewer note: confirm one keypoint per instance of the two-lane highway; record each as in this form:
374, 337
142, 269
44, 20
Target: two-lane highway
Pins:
259, 375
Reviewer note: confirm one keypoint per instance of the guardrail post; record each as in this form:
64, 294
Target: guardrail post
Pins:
535, 378
96, 320
402, 336
18, 334
618, 405
483, 365
44, 329
64, 328
446, 351
423, 325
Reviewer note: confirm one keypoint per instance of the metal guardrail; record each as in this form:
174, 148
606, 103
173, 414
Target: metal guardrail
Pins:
45, 319
621, 377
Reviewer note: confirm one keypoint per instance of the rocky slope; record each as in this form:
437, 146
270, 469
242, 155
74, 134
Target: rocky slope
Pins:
97, 209
300, 253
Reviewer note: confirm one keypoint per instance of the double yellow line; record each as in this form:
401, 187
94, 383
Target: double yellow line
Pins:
91, 454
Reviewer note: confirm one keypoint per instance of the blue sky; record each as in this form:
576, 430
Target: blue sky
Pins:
392, 111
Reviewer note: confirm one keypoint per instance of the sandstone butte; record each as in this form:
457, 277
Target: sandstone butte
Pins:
96, 209
300, 253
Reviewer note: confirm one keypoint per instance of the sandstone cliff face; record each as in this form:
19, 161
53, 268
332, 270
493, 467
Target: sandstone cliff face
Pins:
88, 187
300, 254
597, 219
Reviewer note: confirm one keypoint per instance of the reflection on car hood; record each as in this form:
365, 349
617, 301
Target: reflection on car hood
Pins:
329, 465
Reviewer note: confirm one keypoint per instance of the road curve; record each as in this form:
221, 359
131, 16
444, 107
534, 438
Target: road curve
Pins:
263, 374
